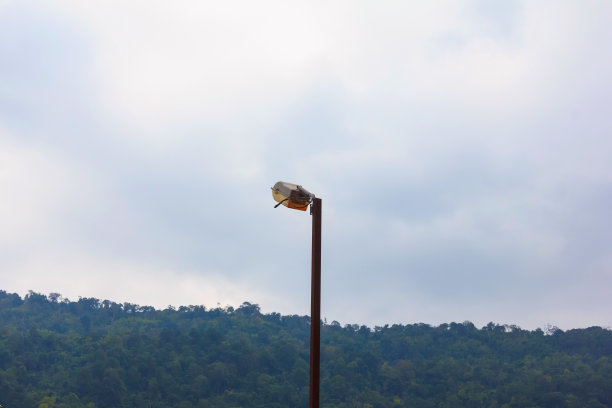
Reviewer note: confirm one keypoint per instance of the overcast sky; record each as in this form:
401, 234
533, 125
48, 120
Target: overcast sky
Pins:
461, 148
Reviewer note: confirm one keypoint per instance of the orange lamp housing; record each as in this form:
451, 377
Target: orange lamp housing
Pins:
291, 196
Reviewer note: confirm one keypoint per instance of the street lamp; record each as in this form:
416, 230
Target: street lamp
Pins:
298, 198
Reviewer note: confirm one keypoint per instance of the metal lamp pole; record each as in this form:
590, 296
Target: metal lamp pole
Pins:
315, 305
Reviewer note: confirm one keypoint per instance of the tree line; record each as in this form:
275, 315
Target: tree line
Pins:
91, 353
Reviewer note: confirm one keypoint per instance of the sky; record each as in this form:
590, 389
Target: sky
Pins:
461, 150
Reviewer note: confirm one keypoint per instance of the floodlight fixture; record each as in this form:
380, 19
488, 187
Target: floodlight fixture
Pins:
291, 196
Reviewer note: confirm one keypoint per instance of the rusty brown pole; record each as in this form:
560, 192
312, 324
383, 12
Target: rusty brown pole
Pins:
315, 305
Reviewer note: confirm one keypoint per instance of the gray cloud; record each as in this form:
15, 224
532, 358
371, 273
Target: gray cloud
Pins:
461, 152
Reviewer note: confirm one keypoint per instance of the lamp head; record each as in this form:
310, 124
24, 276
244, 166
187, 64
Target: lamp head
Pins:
291, 195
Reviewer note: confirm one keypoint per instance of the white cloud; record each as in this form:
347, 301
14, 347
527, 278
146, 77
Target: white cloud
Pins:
166, 64
35, 188
75, 274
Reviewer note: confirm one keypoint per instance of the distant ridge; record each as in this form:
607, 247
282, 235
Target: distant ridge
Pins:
92, 353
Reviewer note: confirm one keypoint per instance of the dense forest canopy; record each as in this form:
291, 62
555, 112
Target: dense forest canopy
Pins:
91, 353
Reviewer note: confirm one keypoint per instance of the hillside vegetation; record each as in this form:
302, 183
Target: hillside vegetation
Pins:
91, 353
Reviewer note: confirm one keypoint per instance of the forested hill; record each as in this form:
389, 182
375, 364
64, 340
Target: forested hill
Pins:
92, 353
